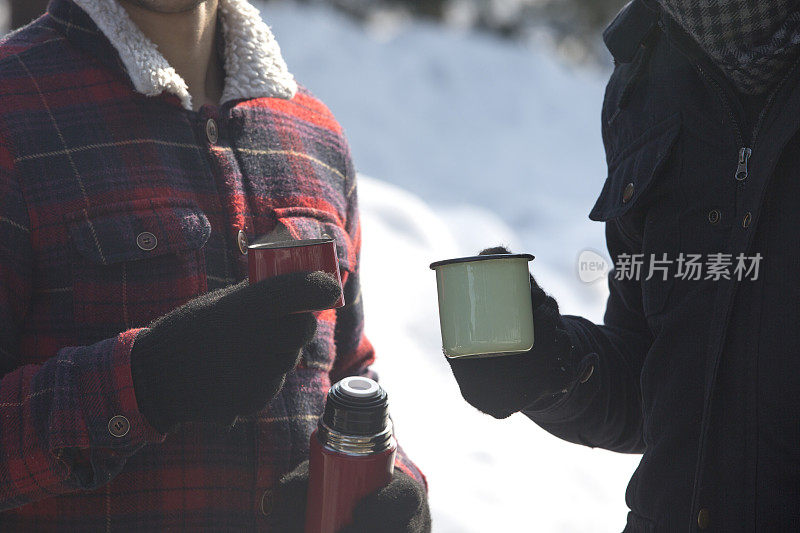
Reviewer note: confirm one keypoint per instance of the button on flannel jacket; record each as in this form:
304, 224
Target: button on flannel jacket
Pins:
87, 164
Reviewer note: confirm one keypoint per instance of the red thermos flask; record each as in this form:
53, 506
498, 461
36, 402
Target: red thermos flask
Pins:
352, 453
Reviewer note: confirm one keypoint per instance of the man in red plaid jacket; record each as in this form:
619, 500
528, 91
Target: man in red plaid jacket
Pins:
145, 386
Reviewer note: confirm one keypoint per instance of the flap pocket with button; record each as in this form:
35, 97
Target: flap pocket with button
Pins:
128, 231
631, 173
133, 262
641, 195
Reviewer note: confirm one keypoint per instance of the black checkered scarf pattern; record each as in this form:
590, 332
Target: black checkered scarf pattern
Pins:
753, 41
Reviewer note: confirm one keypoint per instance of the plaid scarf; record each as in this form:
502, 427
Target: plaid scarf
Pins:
752, 41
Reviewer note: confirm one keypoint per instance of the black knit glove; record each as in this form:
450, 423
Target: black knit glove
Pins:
501, 386
226, 353
399, 507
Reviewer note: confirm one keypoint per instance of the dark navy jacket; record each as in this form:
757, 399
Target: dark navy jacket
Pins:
701, 376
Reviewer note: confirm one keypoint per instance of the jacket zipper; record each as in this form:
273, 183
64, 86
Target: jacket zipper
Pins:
745, 152
744, 157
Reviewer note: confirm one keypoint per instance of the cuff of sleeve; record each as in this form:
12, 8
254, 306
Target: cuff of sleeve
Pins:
94, 389
405, 465
572, 403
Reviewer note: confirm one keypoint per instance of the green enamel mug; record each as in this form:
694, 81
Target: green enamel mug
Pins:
485, 305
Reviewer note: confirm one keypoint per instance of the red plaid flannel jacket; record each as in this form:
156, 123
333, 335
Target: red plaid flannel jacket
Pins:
87, 165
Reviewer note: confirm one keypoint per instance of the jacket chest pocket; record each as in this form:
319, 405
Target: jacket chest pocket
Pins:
641, 196
133, 262
308, 223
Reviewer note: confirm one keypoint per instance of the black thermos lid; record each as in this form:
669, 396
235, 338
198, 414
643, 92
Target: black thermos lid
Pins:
356, 406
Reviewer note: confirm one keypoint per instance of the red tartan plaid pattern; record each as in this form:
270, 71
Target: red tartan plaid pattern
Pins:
86, 166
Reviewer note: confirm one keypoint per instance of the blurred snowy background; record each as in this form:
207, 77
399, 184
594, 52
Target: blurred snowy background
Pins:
466, 139
473, 123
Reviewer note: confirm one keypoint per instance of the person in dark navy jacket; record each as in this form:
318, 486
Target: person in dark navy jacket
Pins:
697, 370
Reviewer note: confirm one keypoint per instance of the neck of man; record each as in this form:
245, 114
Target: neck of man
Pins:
188, 41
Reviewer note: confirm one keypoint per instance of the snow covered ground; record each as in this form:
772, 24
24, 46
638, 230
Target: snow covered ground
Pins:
485, 475
472, 141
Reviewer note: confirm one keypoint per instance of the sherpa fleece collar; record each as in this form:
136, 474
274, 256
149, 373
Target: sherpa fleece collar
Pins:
254, 67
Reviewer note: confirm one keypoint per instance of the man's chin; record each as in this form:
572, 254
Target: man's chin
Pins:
165, 6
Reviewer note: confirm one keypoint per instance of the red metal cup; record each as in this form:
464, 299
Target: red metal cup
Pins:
267, 260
